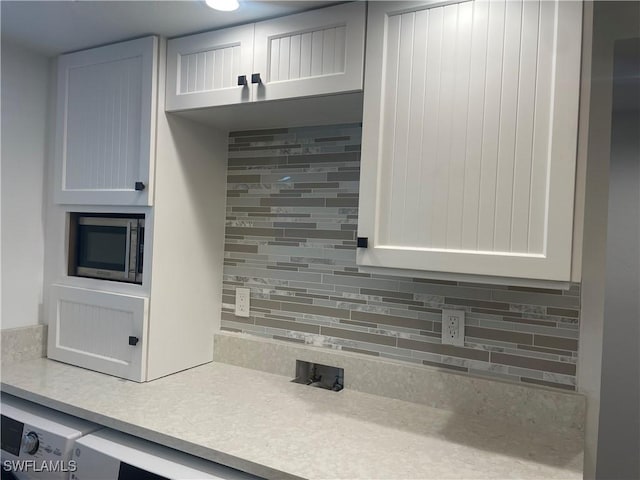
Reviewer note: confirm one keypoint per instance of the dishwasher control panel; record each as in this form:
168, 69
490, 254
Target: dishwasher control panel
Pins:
36, 441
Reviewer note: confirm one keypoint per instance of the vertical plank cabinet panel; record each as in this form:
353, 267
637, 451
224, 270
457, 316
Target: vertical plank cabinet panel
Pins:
398, 80
330, 57
475, 115
92, 329
431, 119
444, 141
389, 113
203, 69
469, 137
525, 121
313, 53
490, 126
105, 124
508, 126
459, 127
416, 118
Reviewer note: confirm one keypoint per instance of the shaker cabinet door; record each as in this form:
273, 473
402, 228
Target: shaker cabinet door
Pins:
469, 137
312, 53
101, 331
106, 104
203, 70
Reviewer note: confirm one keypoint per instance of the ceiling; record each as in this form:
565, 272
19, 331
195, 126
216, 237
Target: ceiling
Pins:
54, 27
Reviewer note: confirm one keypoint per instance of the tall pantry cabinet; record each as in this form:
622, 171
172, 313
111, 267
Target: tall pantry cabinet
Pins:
118, 152
469, 137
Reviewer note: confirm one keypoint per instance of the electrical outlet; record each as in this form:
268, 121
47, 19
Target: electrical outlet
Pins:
453, 327
243, 296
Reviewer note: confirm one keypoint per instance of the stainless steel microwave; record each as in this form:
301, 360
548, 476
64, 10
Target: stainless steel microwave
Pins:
107, 246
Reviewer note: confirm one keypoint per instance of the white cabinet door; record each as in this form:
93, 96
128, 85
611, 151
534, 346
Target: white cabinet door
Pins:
101, 331
469, 137
203, 69
105, 124
312, 53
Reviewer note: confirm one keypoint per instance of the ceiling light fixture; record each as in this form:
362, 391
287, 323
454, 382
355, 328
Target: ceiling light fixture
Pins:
223, 5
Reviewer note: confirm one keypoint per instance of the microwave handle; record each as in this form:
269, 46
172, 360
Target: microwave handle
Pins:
132, 249
127, 254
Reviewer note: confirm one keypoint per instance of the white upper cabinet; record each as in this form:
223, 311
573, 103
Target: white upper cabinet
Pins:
312, 53
105, 125
469, 137
203, 69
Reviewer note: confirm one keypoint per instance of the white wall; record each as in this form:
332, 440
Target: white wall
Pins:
25, 78
619, 431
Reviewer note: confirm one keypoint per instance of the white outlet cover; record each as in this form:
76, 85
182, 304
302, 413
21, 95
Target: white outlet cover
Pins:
453, 327
243, 301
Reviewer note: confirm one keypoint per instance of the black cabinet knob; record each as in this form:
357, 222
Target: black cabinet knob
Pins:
242, 80
363, 242
255, 78
140, 186
133, 341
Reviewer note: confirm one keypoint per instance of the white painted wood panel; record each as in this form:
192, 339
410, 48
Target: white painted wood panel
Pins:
475, 115
525, 122
305, 54
203, 69
316, 60
490, 126
399, 80
460, 168
445, 99
295, 60
385, 227
460, 111
91, 329
508, 126
431, 120
311, 53
191, 180
105, 122
541, 138
415, 131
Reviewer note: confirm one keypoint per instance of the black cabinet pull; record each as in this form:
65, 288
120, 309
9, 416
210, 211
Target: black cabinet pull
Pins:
255, 78
140, 186
133, 341
363, 242
242, 80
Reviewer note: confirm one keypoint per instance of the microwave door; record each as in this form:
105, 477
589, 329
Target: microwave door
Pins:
104, 248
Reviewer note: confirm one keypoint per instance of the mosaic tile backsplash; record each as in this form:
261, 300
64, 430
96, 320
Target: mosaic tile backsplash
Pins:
292, 214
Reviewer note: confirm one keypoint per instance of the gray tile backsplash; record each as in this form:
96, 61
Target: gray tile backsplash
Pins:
292, 198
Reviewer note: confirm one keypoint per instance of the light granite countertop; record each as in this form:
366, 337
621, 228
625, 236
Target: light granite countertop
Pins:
264, 424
